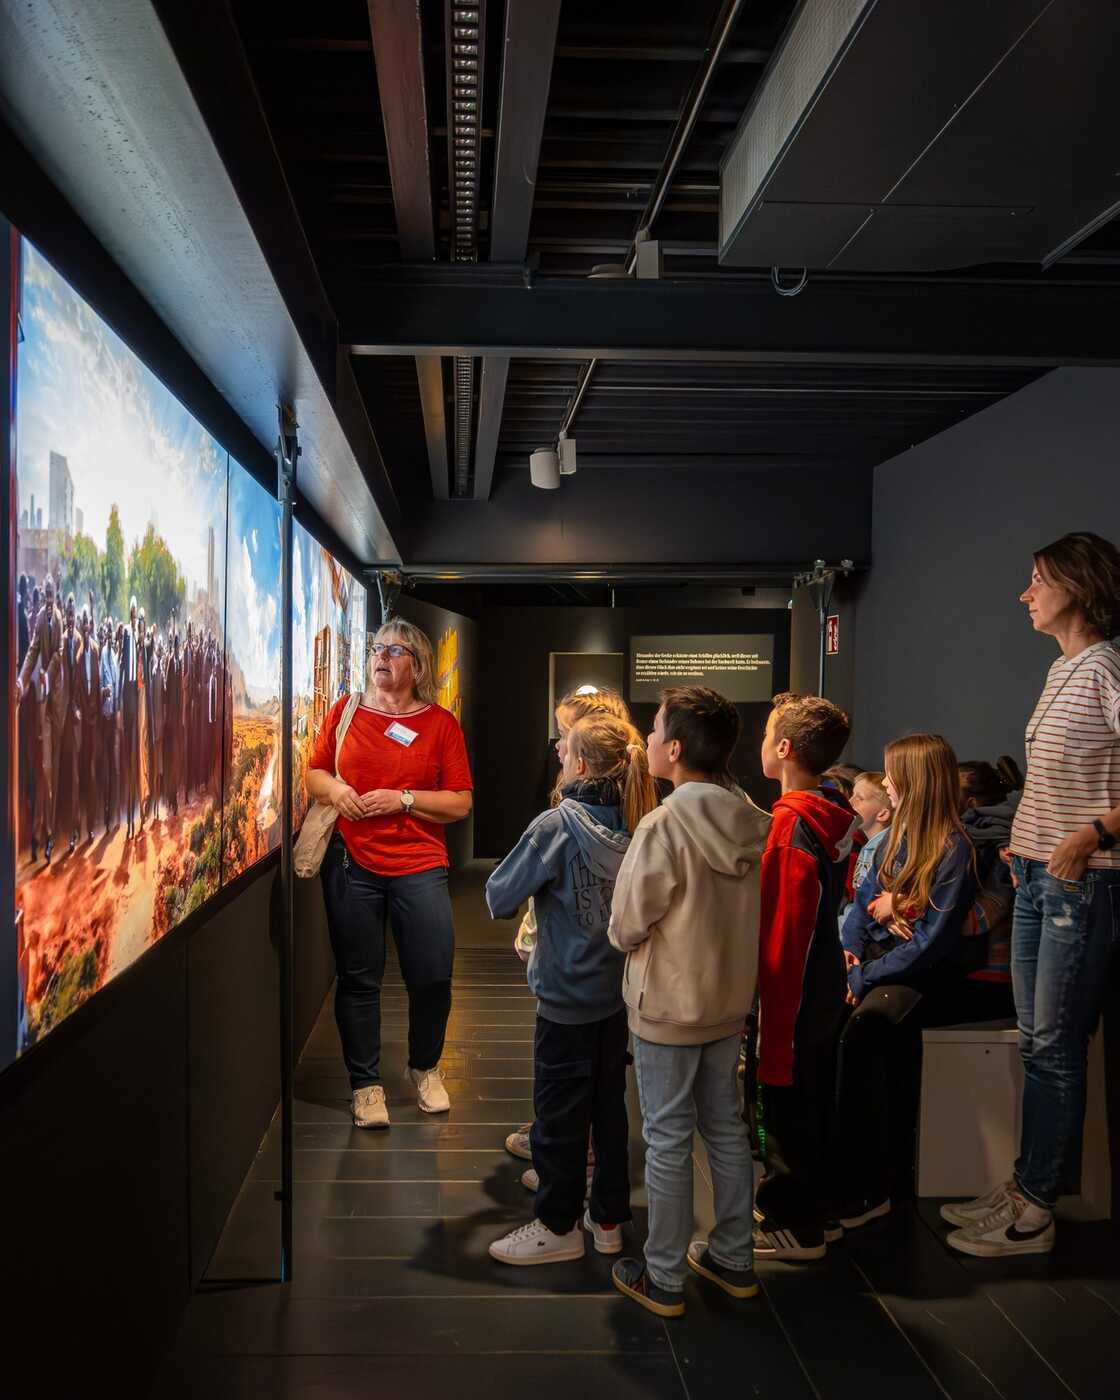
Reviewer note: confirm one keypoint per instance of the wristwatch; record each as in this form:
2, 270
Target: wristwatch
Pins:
1105, 838
407, 799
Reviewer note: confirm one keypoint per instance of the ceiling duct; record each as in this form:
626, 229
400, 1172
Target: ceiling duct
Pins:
917, 137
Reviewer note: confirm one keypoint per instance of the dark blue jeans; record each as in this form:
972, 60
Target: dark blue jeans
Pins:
1062, 941
360, 905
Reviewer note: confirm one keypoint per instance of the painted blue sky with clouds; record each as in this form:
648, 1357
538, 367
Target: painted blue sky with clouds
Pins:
253, 603
127, 440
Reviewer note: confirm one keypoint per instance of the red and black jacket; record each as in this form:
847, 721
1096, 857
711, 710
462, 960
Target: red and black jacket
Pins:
801, 981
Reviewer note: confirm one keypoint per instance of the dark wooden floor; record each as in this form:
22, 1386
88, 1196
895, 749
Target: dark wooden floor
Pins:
395, 1295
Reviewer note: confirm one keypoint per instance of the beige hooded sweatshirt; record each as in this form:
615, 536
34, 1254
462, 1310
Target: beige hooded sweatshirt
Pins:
685, 911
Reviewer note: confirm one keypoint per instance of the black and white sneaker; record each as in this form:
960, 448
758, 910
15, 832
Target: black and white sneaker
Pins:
1015, 1226
774, 1241
861, 1213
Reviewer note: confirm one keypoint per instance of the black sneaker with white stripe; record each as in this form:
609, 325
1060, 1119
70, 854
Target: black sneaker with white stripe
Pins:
774, 1241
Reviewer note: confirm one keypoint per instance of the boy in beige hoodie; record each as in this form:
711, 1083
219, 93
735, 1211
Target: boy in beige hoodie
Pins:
685, 911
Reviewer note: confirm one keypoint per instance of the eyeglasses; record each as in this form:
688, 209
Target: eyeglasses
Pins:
395, 650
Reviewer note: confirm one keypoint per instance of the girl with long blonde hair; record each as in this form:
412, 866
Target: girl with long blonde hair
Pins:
909, 914
567, 861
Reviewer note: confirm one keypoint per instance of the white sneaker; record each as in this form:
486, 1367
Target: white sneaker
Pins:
966, 1213
608, 1238
536, 1244
430, 1093
369, 1108
517, 1144
532, 1182
1016, 1226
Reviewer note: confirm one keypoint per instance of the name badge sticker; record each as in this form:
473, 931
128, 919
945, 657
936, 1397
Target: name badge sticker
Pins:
401, 734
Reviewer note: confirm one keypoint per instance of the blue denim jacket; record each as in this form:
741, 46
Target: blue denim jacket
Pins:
937, 934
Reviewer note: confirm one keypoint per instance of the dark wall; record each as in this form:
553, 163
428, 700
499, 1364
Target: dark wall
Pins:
435, 621
943, 642
515, 757
125, 1135
728, 515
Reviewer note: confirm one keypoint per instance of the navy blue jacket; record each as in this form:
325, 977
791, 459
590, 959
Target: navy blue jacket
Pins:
568, 860
937, 935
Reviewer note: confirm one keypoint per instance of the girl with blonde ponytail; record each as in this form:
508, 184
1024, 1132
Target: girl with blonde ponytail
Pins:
606, 750
567, 862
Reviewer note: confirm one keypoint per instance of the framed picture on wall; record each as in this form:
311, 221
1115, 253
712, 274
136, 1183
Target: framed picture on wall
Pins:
571, 671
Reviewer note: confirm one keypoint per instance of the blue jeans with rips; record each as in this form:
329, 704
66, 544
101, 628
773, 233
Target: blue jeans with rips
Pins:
1063, 938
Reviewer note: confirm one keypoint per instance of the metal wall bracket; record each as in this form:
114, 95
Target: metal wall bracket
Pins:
820, 580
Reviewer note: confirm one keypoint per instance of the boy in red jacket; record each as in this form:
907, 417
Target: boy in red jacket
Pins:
801, 978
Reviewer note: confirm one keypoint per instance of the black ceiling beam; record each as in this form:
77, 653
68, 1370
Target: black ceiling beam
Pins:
921, 320
529, 43
398, 52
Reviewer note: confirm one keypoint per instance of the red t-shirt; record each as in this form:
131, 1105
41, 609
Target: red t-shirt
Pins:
435, 761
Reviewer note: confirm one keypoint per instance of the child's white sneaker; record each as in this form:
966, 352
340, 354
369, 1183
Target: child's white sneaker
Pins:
517, 1144
536, 1244
608, 1238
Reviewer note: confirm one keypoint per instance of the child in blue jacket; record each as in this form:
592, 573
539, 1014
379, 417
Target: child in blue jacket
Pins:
567, 861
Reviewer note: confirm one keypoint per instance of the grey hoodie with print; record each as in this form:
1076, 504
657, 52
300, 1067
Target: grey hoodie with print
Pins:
568, 860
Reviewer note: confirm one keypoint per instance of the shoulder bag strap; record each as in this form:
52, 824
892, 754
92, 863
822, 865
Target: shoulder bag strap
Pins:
343, 729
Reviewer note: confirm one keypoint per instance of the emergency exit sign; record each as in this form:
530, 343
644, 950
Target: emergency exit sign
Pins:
832, 635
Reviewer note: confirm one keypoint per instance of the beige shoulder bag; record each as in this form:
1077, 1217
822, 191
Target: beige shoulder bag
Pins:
315, 833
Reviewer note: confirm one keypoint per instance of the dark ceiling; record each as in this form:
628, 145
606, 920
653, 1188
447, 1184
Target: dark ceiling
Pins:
596, 109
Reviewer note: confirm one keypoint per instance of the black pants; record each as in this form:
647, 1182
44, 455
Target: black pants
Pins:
580, 1090
795, 1127
359, 906
879, 1079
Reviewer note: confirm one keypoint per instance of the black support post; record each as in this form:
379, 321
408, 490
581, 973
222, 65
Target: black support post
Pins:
287, 454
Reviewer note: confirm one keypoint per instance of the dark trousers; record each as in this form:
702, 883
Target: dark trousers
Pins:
796, 1124
579, 1089
359, 907
879, 1078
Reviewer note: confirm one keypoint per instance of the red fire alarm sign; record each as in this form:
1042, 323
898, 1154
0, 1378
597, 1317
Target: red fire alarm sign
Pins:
832, 635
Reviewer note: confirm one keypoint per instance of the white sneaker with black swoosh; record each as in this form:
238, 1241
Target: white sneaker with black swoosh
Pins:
1015, 1226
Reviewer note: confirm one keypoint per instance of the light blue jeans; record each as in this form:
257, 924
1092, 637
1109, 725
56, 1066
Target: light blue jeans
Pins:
681, 1088
1062, 940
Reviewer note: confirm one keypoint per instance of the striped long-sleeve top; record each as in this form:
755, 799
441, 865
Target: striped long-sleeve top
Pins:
1073, 755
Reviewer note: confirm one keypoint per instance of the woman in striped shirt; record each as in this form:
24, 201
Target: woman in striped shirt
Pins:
1065, 860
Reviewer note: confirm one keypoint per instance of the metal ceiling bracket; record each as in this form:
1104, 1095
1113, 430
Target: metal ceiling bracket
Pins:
389, 584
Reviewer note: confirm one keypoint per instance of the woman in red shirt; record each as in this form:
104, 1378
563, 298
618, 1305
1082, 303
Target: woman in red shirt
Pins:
402, 776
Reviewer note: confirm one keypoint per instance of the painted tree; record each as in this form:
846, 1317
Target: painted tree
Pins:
83, 573
154, 578
113, 574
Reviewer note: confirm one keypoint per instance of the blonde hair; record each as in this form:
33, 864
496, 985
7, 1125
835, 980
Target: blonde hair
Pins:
612, 748
876, 781
423, 663
595, 702
923, 771
579, 706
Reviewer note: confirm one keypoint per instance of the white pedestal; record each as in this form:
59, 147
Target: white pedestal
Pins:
971, 1113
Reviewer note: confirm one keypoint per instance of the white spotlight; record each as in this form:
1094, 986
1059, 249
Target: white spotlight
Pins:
567, 449
544, 469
